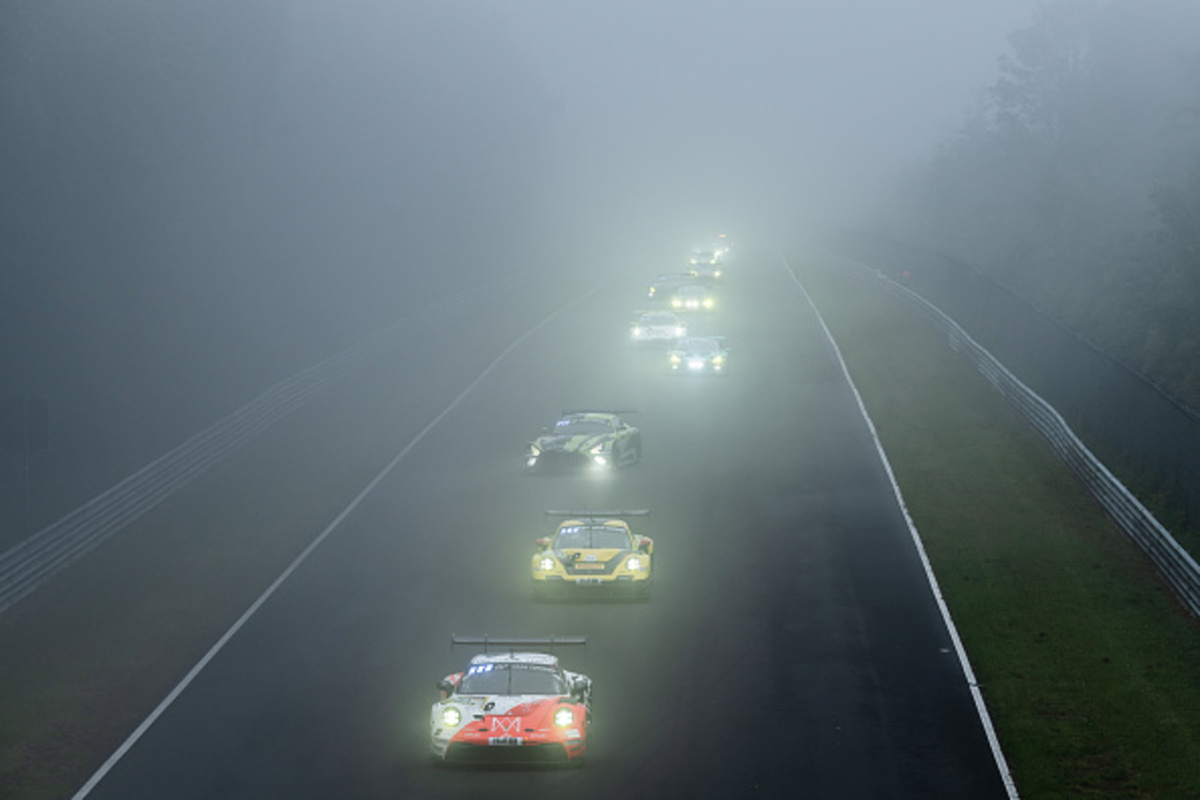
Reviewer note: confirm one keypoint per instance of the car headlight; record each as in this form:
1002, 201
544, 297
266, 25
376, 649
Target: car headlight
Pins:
718, 359
451, 716
675, 359
716, 273
681, 331
635, 563
676, 302
546, 564
637, 333
563, 717
708, 302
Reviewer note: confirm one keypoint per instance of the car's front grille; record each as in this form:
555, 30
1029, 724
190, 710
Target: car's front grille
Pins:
546, 753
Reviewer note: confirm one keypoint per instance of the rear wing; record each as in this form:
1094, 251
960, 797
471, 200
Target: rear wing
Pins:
597, 513
566, 412
509, 642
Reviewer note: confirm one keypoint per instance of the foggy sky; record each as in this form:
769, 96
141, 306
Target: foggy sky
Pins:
669, 119
758, 116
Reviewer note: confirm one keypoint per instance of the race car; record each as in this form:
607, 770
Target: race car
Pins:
657, 327
512, 707
693, 297
593, 553
704, 256
662, 285
709, 272
699, 355
585, 440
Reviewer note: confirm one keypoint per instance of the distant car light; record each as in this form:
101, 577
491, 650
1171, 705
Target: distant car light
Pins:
546, 564
564, 717
451, 717
635, 563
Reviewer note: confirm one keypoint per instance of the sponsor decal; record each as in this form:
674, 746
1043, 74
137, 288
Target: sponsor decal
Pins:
506, 726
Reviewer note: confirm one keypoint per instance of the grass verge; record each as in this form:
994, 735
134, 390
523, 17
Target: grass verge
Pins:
1090, 669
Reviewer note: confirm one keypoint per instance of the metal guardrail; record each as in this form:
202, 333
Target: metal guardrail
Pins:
27, 565
31, 563
1174, 563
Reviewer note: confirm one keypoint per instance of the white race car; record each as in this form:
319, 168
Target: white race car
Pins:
512, 707
657, 327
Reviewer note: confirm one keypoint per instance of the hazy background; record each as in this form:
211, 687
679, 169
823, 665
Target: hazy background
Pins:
196, 200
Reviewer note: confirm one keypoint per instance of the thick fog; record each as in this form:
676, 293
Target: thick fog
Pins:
682, 117
200, 199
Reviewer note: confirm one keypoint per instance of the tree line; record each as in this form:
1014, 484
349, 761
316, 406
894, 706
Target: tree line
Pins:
1074, 181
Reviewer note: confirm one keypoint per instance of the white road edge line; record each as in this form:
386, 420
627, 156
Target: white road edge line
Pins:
980, 706
128, 744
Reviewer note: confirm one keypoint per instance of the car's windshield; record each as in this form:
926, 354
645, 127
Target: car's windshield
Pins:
581, 427
658, 319
605, 537
511, 679
700, 346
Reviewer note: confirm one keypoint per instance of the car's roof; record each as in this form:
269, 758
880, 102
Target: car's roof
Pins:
535, 659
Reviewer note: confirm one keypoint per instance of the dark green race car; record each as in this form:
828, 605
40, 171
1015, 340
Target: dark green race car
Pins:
585, 440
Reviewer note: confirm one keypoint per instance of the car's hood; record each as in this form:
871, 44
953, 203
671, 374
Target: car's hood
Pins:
588, 555
533, 711
571, 444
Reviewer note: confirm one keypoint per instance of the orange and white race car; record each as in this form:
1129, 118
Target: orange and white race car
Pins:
512, 707
593, 553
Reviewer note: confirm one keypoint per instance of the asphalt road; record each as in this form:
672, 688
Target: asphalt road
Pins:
792, 647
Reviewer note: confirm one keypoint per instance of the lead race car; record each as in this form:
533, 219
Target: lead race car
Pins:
512, 706
593, 553
585, 439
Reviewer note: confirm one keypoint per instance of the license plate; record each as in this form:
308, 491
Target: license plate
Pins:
504, 741
587, 580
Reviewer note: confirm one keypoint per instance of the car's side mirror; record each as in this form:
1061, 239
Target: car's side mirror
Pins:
446, 687
580, 689
646, 545
542, 543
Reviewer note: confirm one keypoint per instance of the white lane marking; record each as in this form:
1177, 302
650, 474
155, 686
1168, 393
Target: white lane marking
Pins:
229, 634
980, 706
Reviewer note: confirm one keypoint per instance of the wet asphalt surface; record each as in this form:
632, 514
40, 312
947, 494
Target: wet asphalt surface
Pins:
792, 647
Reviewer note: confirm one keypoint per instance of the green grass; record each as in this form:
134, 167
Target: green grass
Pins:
1090, 669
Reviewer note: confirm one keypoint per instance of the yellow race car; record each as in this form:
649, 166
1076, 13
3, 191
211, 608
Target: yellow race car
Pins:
592, 554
